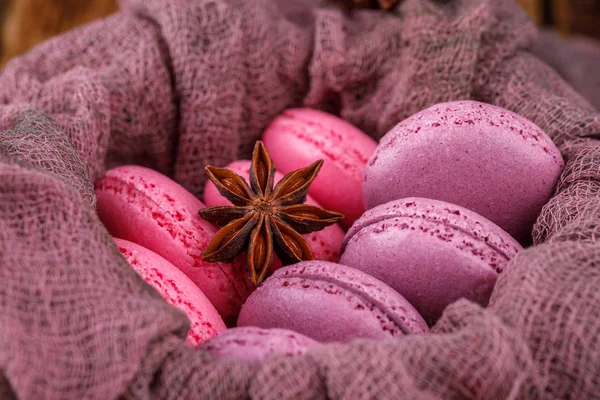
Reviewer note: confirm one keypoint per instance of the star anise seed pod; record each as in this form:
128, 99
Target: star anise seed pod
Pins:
264, 218
385, 5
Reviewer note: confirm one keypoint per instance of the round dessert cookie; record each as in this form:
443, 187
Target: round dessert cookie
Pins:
325, 244
147, 208
482, 157
176, 288
254, 344
431, 252
330, 303
300, 136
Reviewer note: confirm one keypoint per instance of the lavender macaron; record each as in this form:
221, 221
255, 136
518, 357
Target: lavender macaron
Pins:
431, 252
482, 157
254, 344
330, 302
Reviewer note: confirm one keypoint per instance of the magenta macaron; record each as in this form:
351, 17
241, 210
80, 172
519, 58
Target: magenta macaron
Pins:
300, 136
254, 344
330, 302
479, 156
431, 252
176, 288
145, 207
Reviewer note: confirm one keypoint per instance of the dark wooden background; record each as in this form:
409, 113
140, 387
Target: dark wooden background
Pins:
566, 16
24, 23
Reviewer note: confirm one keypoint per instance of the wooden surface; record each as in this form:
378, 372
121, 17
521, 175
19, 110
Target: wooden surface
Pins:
25, 23
578, 16
567, 16
534, 9
561, 14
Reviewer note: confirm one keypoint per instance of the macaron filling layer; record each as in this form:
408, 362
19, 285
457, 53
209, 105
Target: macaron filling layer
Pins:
443, 220
372, 293
388, 322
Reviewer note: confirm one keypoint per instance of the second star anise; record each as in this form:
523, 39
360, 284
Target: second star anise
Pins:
264, 219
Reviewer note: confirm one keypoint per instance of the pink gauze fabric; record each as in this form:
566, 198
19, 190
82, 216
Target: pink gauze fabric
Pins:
177, 84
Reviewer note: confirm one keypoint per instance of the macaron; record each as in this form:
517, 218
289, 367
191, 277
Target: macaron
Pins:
300, 136
325, 244
145, 207
254, 344
479, 156
431, 252
176, 288
329, 302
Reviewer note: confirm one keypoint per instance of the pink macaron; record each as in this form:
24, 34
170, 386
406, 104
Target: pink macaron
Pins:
482, 157
254, 344
330, 302
431, 252
176, 288
147, 208
325, 244
298, 137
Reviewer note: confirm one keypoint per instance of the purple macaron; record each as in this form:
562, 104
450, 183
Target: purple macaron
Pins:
254, 344
330, 303
431, 252
482, 157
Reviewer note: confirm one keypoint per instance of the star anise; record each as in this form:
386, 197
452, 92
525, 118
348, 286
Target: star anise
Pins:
385, 5
264, 219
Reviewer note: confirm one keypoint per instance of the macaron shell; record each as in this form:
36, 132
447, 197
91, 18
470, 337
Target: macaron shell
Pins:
431, 252
330, 303
176, 288
325, 244
254, 344
299, 137
475, 155
147, 208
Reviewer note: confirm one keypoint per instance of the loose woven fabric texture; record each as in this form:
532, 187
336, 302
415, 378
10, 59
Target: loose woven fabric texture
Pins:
177, 84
